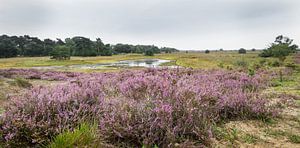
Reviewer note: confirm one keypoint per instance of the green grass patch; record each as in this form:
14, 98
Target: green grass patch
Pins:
294, 138
222, 133
82, 136
275, 133
249, 138
21, 83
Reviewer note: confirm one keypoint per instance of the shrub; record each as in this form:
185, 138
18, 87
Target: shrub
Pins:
281, 48
60, 53
136, 108
207, 51
149, 52
242, 51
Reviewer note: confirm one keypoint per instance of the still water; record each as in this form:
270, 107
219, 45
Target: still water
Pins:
148, 63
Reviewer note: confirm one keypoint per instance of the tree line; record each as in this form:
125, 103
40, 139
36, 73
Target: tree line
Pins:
13, 46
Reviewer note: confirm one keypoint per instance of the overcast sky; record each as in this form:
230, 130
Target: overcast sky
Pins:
183, 24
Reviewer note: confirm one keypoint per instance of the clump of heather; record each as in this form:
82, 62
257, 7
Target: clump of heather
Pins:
37, 74
147, 107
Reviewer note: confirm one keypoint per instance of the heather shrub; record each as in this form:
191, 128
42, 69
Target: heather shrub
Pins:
163, 107
43, 113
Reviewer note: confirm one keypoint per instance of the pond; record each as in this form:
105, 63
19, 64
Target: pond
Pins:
148, 63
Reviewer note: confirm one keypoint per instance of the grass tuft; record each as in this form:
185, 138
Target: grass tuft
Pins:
294, 138
82, 136
21, 83
249, 138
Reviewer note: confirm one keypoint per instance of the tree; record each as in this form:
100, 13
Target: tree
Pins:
61, 52
7, 47
168, 50
123, 48
149, 52
49, 46
281, 48
242, 51
106, 51
207, 51
83, 47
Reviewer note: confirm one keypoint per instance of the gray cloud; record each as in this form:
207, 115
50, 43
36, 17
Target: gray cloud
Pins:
185, 24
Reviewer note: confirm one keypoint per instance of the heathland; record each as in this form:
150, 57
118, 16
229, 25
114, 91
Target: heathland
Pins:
215, 99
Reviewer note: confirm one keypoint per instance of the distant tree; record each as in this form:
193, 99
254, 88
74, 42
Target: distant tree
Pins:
7, 47
106, 51
149, 52
99, 46
253, 49
70, 44
221, 49
242, 51
207, 51
281, 48
83, 47
61, 52
33, 47
123, 48
168, 50
49, 46
59, 42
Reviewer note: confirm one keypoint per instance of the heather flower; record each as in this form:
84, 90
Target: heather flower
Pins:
137, 107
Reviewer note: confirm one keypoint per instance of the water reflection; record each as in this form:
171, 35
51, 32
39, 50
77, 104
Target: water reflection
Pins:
149, 63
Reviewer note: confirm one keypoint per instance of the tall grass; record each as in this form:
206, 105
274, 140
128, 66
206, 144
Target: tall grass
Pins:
83, 135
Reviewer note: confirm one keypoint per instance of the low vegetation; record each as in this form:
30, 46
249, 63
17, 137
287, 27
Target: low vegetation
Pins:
83, 135
140, 109
220, 99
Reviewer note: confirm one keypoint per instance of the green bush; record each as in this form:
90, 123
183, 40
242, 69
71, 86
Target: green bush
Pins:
207, 51
61, 53
281, 48
149, 52
242, 51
